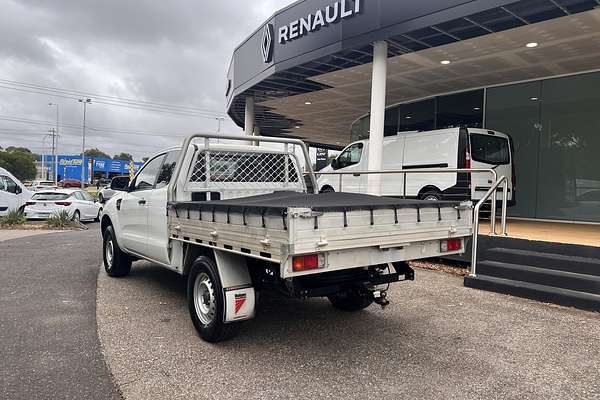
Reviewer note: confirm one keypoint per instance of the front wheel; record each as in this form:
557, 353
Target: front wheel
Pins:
206, 302
351, 300
116, 262
432, 196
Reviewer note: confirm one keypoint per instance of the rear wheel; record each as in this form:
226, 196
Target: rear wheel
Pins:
206, 302
327, 189
351, 300
432, 195
76, 216
116, 262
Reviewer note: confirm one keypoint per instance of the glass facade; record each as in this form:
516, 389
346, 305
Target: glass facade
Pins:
555, 126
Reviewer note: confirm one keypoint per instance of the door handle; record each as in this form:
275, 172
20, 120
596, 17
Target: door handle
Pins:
141, 202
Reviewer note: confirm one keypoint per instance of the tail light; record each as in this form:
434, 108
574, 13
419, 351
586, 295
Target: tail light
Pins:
62, 203
450, 245
30, 203
305, 263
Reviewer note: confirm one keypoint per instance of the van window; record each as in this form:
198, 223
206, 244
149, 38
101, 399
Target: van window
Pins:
490, 149
350, 156
7, 184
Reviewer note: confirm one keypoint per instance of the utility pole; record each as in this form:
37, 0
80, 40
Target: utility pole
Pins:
83, 166
55, 147
54, 139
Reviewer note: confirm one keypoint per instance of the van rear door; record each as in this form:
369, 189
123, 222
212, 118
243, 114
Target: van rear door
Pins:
490, 149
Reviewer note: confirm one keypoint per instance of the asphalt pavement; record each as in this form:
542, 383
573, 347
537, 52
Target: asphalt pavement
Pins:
436, 340
50, 347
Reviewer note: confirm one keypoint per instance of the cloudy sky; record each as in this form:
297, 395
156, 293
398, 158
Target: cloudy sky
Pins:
156, 52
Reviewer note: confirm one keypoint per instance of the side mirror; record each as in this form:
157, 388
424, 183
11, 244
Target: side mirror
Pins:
120, 183
334, 163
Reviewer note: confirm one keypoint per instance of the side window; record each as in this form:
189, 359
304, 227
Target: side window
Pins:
86, 196
77, 195
166, 169
147, 176
7, 184
350, 156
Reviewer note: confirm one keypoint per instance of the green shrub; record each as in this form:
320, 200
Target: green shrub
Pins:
60, 219
14, 217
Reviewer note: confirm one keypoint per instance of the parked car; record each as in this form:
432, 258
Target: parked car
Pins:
108, 192
104, 182
80, 205
36, 186
70, 183
13, 194
443, 148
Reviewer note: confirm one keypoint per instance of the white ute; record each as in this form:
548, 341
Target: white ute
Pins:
237, 220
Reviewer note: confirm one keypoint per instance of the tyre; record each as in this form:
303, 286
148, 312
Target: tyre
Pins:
97, 219
100, 198
351, 300
206, 302
76, 216
431, 196
327, 189
116, 262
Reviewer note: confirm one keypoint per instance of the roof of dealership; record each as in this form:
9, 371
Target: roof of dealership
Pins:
308, 67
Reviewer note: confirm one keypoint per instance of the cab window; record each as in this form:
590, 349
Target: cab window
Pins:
350, 156
166, 169
146, 178
7, 184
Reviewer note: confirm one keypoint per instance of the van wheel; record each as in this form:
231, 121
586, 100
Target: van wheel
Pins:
206, 302
351, 300
116, 262
433, 195
326, 189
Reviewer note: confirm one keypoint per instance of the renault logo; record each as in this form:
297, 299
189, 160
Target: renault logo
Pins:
266, 45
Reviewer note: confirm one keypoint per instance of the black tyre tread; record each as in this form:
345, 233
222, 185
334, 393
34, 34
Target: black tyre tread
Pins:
349, 301
435, 193
217, 331
121, 261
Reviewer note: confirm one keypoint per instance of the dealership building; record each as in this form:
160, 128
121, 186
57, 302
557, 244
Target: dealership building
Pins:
69, 167
331, 72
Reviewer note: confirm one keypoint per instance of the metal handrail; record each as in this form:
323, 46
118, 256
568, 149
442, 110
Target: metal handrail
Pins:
440, 170
188, 140
491, 191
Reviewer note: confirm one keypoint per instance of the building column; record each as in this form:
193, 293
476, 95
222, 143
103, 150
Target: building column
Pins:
377, 118
249, 116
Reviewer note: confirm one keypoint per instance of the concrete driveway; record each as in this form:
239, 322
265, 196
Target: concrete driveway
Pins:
437, 340
50, 347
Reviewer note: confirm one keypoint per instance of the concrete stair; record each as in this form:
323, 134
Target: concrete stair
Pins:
555, 273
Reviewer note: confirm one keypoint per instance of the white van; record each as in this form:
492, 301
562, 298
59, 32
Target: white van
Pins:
443, 148
13, 194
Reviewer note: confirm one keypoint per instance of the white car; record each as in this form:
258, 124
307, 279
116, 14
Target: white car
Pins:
80, 205
13, 194
36, 186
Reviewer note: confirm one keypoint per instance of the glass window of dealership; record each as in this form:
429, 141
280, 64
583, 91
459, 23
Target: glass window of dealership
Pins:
555, 126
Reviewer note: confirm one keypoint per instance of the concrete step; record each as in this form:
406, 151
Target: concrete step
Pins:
546, 260
543, 276
548, 294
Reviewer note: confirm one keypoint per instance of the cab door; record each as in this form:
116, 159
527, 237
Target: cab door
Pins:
133, 209
352, 158
158, 232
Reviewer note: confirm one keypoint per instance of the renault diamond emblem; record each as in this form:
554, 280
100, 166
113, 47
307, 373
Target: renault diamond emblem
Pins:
266, 45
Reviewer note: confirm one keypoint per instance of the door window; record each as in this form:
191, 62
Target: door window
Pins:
350, 156
7, 184
147, 176
166, 169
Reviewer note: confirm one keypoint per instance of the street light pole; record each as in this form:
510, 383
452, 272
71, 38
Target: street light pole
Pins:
85, 103
55, 147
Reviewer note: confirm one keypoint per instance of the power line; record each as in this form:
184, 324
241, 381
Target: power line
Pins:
109, 100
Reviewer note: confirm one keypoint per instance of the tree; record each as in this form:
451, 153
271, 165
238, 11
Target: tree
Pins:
123, 156
19, 161
96, 153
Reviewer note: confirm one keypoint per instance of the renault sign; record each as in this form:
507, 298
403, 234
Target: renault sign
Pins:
321, 18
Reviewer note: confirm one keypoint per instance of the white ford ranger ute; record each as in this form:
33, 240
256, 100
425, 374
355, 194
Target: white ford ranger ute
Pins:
236, 219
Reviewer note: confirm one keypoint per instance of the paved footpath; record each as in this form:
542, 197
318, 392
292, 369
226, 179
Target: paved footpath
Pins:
50, 347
